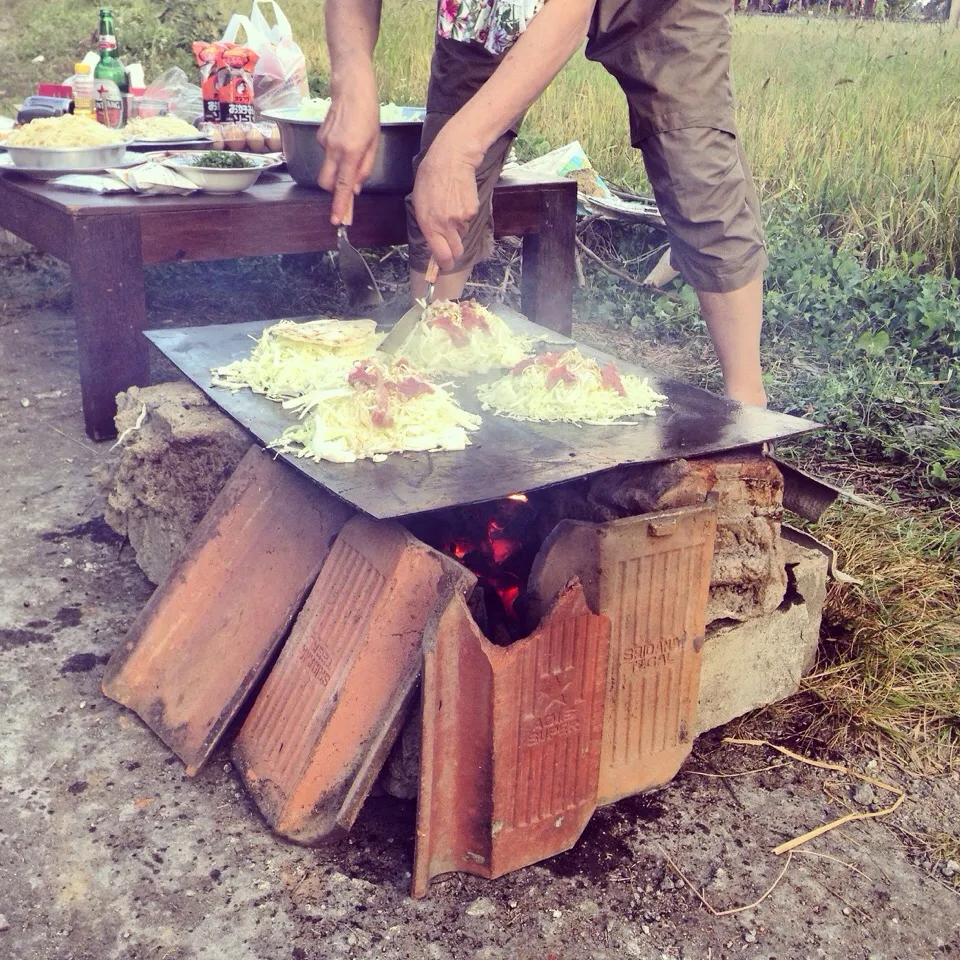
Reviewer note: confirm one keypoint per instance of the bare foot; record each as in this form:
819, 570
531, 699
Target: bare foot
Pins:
752, 397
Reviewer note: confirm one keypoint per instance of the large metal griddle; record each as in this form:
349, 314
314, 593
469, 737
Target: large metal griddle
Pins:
506, 456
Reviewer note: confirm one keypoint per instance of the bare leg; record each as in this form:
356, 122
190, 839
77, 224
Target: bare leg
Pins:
449, 285
734, 320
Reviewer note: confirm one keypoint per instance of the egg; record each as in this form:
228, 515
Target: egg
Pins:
274, 143
255, 140
234, 137
216, 137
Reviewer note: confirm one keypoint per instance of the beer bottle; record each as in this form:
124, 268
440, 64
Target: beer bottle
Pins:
109, 77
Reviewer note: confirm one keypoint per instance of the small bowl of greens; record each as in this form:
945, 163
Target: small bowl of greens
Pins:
221, 171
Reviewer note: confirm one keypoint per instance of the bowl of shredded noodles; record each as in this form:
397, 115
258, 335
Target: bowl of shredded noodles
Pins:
68, 142
165, 128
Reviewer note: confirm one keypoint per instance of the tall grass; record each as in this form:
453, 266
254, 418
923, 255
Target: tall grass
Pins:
887, 674
861, 119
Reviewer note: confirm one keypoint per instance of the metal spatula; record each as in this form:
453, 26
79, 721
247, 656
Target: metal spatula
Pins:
361, 288
404, 326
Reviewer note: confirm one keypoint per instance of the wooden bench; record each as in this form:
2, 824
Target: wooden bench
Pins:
108, 240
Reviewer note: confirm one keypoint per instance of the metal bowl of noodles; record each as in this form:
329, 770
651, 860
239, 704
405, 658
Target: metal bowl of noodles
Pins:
68, 158
393, 168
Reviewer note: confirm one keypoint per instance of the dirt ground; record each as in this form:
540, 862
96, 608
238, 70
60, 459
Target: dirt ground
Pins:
108, 851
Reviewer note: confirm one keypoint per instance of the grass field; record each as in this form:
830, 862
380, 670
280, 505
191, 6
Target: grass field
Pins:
859, 120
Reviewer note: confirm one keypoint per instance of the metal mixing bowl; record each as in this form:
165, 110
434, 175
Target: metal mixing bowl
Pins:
392, 170
68, 158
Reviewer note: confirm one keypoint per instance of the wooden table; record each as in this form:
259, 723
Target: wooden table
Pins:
108, 240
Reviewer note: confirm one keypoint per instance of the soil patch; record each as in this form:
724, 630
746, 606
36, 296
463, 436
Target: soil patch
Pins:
108, 851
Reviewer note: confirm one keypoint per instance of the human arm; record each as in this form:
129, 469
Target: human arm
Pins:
351, 130
445, 195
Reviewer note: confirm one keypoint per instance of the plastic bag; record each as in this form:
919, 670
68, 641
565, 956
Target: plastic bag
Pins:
280, 75
173, 88
90, 183
565, 161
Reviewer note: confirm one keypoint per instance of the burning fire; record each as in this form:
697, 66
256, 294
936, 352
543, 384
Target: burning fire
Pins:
497, 542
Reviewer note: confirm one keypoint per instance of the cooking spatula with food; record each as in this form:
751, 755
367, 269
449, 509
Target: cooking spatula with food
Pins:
404, 326
361, 288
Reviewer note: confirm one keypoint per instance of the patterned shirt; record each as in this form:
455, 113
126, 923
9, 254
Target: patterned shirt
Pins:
494, 23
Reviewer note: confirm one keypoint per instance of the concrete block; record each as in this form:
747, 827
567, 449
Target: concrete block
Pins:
168, 470
748, 577
760, 661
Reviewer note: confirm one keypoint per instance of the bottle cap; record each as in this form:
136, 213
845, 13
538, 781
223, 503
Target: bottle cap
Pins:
81, 68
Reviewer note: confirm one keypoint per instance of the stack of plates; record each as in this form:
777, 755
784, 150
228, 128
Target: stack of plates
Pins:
45, 163
199, 141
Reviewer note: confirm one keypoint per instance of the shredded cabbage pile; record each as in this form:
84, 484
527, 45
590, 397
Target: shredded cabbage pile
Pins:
68, 130
316, 108
463, 338
290, 359
570, 387
380, 408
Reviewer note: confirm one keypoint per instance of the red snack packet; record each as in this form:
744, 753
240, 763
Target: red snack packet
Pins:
226, 72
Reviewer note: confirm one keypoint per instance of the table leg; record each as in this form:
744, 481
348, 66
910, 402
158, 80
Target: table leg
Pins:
110, 311
547, 281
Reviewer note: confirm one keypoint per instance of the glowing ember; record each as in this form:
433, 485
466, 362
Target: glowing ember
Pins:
509, 596
496, 541
503, 549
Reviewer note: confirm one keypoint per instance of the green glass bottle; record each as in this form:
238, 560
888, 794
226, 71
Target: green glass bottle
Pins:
109, 77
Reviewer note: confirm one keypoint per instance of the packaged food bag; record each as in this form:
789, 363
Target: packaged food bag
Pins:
227, 80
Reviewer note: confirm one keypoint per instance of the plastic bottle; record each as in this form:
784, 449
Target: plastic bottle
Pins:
82, 83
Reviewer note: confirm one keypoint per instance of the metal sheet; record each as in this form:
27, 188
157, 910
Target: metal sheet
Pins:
506, 456
807, 496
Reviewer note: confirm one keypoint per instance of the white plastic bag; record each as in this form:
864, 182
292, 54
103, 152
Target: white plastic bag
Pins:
178, 95
280, 74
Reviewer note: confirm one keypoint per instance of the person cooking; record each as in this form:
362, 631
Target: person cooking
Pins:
492, 59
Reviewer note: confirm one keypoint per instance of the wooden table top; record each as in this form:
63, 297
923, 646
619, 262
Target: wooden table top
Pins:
274, 189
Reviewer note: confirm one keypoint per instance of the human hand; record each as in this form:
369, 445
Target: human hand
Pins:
349, 136
445, 198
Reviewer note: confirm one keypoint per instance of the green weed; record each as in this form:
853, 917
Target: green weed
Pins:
871, 352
